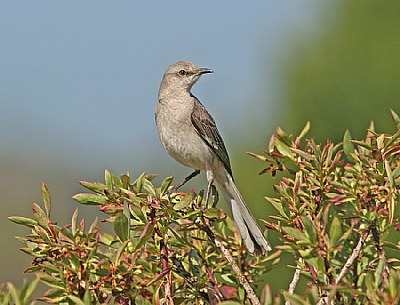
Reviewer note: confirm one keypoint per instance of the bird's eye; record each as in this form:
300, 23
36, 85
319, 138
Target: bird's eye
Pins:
182, 72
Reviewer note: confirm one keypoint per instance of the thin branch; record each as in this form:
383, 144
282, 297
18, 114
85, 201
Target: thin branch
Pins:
242, 278
383, 275
327, 299
164, 261
353, 256
350, 261
213, 281
167, 279
323, 300
295, 280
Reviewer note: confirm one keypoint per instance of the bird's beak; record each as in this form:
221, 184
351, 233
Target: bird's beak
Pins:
205, 70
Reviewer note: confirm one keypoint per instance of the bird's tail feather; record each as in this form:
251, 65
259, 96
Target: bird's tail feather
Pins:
251, 233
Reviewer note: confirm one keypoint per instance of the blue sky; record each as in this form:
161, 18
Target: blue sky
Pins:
78, 78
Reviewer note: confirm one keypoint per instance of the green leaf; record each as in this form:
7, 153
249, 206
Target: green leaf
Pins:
370, 132
106, 238
14, 294
271, 144
149, 187
394, 284
125, 179
389, 172
302, 154
194, 263
283, 136
335, 231
87, 297
23, 221
165, 184
46, 199
396, 118
120, 251
183, 203
121, 227
305, 130
348, 146
296, 234
28, 290
380, 141
192, 214
229, 303
96, 187
139, 182
145, 235
284, 149
52, 282
75, 261
294, 299
90, 199
179, 238
76, 300
108, 179
40, 215
74, 221
310, 227
278, 206
259, 157
362, 144
213, 213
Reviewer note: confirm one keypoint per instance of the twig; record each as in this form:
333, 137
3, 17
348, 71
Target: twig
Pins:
213, 281
382, 270
164, 260
350, 261
242, 278
167, 284
295, 280
353, 256
323, 300
327, 299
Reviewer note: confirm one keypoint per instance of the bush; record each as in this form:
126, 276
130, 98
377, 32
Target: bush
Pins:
336, 215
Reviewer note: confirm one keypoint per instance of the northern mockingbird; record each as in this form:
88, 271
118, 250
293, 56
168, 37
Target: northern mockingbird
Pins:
189, 134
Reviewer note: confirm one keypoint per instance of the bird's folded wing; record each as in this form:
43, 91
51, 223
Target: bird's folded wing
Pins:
207, 130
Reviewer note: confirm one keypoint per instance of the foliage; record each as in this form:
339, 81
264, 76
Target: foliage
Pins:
337, 208
161, 248
23, 296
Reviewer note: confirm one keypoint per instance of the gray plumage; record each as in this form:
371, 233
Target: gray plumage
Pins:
190, 135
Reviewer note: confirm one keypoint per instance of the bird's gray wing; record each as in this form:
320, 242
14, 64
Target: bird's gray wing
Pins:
207, 130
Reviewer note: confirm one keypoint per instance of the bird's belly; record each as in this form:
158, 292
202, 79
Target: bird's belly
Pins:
186, 147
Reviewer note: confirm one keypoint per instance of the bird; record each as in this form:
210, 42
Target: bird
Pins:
190, 135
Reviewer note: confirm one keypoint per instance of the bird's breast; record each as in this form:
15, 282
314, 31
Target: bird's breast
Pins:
180, 139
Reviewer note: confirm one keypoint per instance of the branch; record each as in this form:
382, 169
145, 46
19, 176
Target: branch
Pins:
295, 280
323, 300
213, 281
164, 260
242, 278
383, 272
350, 261
353, 256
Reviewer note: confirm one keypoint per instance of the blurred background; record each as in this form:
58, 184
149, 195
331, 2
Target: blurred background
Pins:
79, 83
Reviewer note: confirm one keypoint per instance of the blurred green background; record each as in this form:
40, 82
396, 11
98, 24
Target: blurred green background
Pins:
79, 82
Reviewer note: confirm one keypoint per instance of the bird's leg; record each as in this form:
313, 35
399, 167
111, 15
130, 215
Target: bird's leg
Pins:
216, 196
210, 180
192, 175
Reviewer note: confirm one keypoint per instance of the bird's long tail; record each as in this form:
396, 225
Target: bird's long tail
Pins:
251, 233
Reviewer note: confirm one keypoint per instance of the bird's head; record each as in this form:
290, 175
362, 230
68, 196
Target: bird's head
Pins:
183, 75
